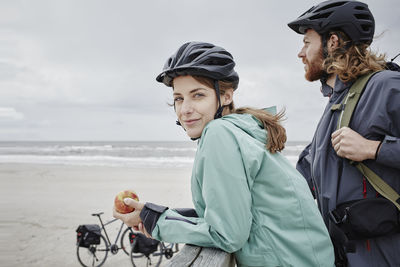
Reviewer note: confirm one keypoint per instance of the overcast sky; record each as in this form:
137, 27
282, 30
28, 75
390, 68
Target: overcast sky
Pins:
85, 70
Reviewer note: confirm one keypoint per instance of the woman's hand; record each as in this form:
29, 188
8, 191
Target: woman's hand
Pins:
143, 230
131, 219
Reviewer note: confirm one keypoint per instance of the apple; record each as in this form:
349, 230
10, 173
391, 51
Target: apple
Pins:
119, 201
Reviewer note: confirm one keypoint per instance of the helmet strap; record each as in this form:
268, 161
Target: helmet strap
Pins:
220, 109
177, 121
324, 39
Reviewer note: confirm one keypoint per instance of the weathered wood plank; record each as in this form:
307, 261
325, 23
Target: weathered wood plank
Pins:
194, 256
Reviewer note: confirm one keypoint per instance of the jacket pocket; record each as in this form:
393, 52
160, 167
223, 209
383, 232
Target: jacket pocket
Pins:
179, 219
258, 251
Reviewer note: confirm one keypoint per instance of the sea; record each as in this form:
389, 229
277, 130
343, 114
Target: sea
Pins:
114, 154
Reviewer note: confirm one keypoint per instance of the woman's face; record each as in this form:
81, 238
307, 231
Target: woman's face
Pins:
195, 104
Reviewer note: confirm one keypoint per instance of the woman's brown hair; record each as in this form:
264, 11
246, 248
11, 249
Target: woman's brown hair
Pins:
349, 61
276, 133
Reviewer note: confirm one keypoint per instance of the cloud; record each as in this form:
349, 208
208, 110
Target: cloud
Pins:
81, 66
7, 114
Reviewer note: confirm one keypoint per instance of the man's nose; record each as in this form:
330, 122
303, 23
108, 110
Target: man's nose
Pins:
301, 54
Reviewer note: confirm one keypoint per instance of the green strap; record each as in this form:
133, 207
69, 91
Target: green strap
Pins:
351, 100
337, 107
347, 106
380, 186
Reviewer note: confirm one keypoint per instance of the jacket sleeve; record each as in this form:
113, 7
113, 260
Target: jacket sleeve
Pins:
304, 167
225, 194
389, 118
389, 153
151, 213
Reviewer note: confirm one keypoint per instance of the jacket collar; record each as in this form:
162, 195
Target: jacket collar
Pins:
340, 86
328, 91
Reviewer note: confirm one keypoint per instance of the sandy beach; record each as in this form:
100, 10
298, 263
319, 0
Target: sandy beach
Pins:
42, 205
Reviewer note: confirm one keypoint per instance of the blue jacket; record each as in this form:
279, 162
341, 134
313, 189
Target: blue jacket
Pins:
250, 202
333, 180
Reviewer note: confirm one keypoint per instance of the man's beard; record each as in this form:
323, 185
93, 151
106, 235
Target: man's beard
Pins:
315, 70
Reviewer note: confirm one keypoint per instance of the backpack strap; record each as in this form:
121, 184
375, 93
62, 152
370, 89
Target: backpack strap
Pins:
347, 108
351, 99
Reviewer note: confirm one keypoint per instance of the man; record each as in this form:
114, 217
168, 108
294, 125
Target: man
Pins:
337, 35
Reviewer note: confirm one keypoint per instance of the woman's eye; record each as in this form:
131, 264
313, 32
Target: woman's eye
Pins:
198, 95
177, 99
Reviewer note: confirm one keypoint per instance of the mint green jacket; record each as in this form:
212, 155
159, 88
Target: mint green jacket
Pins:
250, 202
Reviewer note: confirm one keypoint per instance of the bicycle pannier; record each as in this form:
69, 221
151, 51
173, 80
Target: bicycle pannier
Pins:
88, 234
143, 244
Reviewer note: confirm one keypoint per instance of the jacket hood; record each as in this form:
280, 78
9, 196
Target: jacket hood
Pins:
250, 124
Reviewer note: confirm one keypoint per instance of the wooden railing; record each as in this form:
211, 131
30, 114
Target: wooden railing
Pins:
193, 256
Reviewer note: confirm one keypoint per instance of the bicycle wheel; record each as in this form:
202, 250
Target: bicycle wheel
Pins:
171, 246
94, 255
169, 249
141, 260
125, 242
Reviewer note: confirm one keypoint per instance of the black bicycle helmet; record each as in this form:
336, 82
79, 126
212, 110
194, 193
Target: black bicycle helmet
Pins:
352, 17
201, 59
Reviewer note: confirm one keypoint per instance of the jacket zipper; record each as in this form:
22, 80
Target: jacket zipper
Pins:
179, 219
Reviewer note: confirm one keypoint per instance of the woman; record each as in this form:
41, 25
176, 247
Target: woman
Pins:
248, 198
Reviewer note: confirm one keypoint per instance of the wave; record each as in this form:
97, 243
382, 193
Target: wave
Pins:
104, 148
99, 160
97, 151
108, 160
156, 154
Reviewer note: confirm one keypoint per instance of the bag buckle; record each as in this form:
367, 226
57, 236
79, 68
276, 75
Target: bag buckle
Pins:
334, 217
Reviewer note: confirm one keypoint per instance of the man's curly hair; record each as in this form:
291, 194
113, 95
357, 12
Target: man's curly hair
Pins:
349, 60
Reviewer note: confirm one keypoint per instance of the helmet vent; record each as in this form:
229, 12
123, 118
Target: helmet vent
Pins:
308, 11
217, 62
181, 50
169, 62
362, 16
321, 16
360, 8
365, 27
193, 56
331, 5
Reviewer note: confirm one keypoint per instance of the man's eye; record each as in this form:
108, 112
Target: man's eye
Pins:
198, 95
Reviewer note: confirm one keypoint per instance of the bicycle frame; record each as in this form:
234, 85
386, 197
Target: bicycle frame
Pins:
113, 247
103, 226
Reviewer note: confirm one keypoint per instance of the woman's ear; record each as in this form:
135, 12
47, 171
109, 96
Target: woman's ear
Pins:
227, 98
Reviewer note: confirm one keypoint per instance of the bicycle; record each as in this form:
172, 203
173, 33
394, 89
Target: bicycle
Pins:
150, 252
96, 254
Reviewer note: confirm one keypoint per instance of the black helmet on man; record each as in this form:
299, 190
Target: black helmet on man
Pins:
201, 59
352, 17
